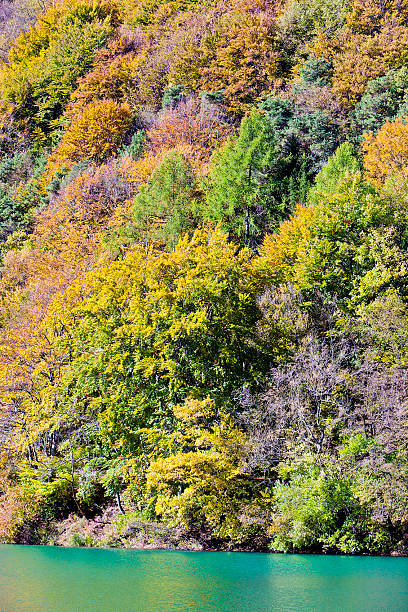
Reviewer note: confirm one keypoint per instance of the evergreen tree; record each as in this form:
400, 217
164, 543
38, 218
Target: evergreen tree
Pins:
164, 208
242, 191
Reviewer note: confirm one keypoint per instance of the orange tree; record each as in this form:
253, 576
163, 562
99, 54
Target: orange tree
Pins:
386, 153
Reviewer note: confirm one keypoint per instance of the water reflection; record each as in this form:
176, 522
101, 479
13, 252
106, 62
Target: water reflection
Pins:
62, 580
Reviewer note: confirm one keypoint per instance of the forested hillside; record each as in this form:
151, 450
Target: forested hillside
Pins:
204, 270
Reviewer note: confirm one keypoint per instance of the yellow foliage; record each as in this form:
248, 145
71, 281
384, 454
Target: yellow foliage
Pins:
280, 254
368, 16
238, 57
358, 56
204, 483
112, 77
193, 409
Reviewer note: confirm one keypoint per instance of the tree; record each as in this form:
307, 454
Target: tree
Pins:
202, 485
45, 62
384, 99
342, 163
195, 127
236, 54
368, 16
94, 134
386, 153
164, 209
145, 332
348, 243
241, 188
360, 58
306, 134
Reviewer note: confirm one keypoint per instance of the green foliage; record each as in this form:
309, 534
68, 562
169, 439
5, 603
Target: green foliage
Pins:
18, 192
384, 323
298, 131
164, 209
316, 71
341, 164
43, 70
153, 338
243, 187
317, 507
136, 146
251, 397
384, 99
349, 247
172, 96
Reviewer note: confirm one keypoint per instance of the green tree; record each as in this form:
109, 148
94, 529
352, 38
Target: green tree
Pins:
342, 163
318, 507
157, 328
384, 98
348, 243
242, 189
164, 208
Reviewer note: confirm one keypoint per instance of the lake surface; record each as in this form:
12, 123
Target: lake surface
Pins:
72, 579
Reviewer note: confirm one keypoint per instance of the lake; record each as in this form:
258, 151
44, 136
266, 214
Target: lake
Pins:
73, 579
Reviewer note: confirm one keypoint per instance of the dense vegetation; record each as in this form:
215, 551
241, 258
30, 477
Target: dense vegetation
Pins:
204, 281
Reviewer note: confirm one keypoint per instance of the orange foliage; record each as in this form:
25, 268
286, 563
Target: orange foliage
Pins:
359, 58
112, 76
94, 134
192, 127
66, 239
238, 57
65, 245
387, 153
368, 16
228, 46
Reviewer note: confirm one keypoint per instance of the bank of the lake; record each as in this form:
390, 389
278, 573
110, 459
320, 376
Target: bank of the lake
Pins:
47, 579
111, 529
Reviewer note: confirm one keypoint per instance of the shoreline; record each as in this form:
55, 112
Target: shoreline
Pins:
214, 550
113, 530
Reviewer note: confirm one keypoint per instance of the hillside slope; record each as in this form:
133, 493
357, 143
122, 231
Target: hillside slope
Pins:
204, 281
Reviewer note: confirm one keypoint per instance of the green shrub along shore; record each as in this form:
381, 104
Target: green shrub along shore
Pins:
204, 274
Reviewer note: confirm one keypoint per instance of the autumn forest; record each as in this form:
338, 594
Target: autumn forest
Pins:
204, 273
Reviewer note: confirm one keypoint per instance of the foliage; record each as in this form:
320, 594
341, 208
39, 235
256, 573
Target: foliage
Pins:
386, 153
45, 63
130, 353
241, 189
384, 99
205, 486
343, 245
238, 57
94, 135
299, 132
164, 209
203, 294
317, 506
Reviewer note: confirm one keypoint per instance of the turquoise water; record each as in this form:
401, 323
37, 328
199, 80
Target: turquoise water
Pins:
71, 579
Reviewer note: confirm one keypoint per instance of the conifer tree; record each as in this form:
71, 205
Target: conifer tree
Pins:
241, 193
163, 210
